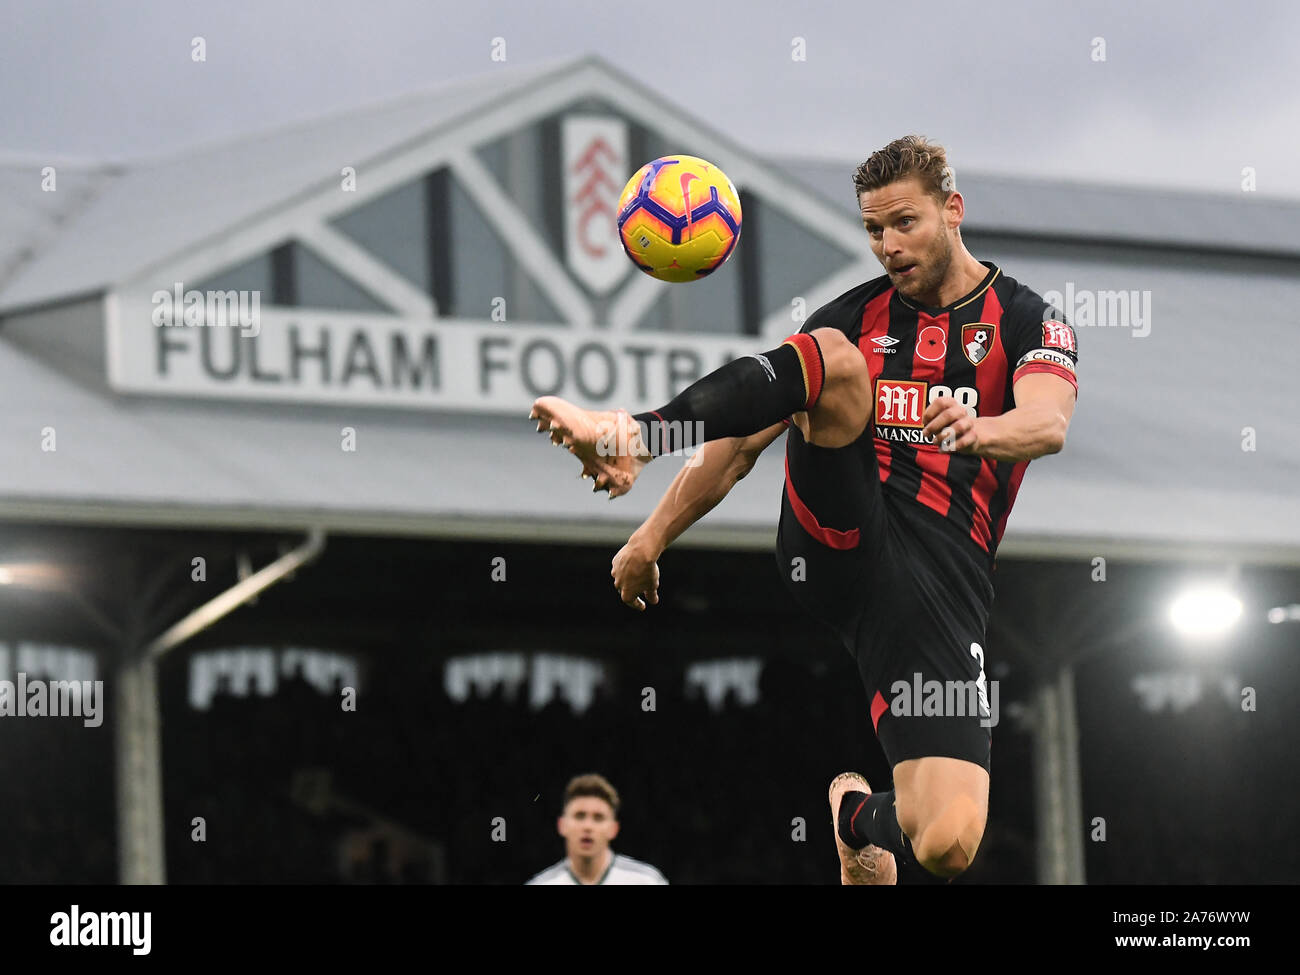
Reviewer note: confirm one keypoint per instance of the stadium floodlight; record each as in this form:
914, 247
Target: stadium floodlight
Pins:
30, 575
1205, 612
1284, 614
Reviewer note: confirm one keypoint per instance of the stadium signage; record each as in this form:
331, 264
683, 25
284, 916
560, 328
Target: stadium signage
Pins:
595, 165
376, 360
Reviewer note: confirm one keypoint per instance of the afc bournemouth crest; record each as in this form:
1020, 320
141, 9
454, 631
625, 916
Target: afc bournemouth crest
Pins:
976, 340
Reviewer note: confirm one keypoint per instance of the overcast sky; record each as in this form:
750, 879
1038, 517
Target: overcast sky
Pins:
1189, 93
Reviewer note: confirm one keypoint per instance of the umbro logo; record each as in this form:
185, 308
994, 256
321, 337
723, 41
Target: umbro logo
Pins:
884, 344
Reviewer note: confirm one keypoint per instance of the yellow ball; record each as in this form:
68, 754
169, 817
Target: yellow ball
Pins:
679, 218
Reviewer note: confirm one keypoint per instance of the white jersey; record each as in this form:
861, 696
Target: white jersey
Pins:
622, 870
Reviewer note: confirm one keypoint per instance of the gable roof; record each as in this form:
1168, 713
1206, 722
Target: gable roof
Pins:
33, 217
151, 210
110, 221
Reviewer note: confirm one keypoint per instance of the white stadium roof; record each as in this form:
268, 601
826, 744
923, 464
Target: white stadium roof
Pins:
135, 221
1064, 210
1154, 463
33, 217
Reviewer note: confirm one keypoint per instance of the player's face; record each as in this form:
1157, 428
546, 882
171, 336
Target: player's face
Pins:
910, 235
588, 826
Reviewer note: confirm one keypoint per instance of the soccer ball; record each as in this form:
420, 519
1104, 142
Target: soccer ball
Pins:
679, 218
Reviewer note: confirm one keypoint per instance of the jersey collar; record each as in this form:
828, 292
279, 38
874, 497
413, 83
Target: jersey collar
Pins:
980, 288
608, 867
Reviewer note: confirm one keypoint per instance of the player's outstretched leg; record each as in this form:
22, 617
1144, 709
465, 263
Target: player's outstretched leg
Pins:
870, 864
820, 373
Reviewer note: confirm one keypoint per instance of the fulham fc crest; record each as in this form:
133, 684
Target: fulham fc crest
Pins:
976, 340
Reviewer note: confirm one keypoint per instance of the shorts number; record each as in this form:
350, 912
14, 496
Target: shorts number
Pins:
977, 652
967, 396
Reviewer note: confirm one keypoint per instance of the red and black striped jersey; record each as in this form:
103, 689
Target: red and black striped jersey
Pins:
973, 350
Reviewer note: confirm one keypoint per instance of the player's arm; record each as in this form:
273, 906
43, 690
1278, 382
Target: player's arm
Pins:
705, 480
1035, 427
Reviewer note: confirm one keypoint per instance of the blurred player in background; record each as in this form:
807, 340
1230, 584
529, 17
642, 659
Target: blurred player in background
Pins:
914, 403
589, 823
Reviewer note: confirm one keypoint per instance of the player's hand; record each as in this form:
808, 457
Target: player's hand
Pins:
636, 575
951, 425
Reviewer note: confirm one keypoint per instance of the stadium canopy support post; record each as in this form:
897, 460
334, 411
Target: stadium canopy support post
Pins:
138, 771
1058, 795
138, 740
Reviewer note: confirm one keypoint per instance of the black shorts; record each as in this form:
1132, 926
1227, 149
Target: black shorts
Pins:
907, 595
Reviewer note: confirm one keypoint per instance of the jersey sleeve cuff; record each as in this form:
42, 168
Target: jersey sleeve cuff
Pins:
1038, 366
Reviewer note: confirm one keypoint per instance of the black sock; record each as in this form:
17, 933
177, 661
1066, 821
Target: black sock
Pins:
739, 399
871, 819
850, 812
